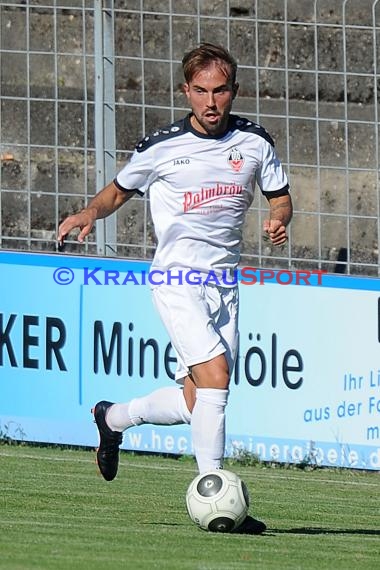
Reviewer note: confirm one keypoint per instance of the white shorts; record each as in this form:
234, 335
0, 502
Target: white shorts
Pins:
201, 320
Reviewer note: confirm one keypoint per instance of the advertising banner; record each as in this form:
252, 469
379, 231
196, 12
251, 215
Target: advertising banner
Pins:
306, 385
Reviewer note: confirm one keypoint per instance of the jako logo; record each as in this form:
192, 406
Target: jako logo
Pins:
181, 161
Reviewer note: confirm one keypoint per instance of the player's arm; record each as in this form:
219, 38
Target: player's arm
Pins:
280, 214
102, 205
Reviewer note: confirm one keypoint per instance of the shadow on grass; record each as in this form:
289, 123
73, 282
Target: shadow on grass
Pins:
259, 528
321, 530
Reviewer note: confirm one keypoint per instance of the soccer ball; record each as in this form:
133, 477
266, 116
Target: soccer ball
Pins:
217, 501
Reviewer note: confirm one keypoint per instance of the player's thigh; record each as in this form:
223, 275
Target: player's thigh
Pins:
225, 303
189, 322
189, 392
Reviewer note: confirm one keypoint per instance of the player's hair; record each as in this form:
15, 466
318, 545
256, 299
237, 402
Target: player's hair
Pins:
201, 57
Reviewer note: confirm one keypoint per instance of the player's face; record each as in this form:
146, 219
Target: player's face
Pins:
210, 94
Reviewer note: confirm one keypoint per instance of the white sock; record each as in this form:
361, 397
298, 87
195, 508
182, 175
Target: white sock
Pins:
208, 428
165, 406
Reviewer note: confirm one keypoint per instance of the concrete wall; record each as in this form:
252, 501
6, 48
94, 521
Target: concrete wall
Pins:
28, 118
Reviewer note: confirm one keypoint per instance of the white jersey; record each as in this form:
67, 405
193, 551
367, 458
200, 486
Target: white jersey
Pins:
200, 189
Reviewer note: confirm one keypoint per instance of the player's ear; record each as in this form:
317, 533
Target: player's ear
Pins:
235, 90
186, 89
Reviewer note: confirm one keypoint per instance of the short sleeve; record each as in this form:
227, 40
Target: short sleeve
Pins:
138, 173
271, 175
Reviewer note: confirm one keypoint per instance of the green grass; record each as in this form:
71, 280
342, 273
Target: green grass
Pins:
57, 513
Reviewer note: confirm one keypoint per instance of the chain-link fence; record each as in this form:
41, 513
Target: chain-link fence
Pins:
83, 80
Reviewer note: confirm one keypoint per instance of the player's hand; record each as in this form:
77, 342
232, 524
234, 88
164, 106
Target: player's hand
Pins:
276, 231
84, 220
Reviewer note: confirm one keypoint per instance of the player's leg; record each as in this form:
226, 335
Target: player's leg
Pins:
169, 406
202, 324
165, 406
208, 417
212, 379
189, 393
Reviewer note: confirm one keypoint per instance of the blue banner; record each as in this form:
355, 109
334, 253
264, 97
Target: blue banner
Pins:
306, 386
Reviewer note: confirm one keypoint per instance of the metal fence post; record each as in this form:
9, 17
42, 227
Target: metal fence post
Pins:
105, 141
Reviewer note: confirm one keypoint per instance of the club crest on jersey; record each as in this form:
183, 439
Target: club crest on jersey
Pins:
235, 159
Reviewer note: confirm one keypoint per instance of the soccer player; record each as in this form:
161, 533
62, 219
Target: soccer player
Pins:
201, 173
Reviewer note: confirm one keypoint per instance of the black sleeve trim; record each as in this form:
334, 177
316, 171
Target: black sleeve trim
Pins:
277, 193
127, 189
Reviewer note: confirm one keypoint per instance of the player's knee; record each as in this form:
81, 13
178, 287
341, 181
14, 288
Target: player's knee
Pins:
219, 380
212, 374
216, 378
219, 376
